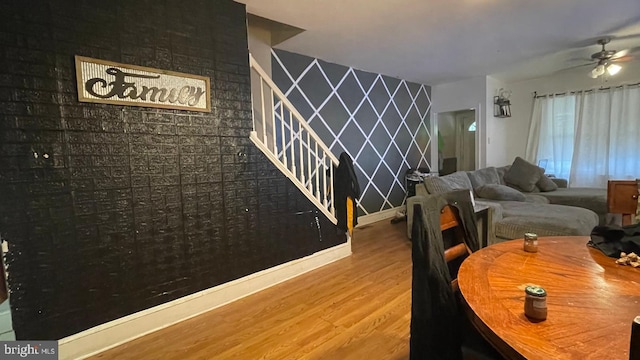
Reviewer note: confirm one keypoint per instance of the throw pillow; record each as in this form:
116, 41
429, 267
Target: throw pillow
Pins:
545, 184
456, 181
435, 185
523, 175
499, 192
480, 177
501, 171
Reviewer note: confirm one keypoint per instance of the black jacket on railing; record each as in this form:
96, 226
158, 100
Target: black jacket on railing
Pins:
435, 324
345, 184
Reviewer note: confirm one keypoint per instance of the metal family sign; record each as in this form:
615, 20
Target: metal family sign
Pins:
108, 82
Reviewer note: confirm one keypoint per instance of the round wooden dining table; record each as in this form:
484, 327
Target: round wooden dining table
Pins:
591, 300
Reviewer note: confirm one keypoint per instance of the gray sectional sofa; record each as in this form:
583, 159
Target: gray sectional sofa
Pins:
519, 204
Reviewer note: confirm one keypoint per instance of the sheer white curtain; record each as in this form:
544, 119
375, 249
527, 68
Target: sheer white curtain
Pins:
588, 137
551, 133
607, 137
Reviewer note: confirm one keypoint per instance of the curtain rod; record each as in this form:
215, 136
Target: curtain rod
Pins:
535, 93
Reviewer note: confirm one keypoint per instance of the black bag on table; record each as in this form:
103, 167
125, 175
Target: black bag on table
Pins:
614, 239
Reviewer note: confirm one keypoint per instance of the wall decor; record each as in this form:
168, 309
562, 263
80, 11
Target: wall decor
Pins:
108, 82
501, 104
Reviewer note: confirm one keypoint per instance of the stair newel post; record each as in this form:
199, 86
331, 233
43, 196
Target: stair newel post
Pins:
253, 112
301, 155
309, 162
333, 208
282, 137
317, 169
293, 148
324, 178
273, 124
264, 113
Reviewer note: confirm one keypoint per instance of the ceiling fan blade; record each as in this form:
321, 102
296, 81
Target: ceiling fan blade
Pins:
626, 37
574, 67
634, 50
581, 59
623, 59
626, 54
620, 54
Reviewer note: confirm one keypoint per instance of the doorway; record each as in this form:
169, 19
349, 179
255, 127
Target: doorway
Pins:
456, 141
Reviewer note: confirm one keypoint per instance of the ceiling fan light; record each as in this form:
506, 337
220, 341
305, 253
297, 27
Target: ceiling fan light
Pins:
613, 69
599, 70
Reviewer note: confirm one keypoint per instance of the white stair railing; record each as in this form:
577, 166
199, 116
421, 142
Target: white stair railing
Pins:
288, 141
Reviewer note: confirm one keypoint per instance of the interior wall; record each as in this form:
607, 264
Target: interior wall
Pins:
498, 130
522, 97
134, 206
259, 41
380, 121
260, 44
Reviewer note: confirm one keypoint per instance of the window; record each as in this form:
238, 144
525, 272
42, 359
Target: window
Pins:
589, 137
557, 134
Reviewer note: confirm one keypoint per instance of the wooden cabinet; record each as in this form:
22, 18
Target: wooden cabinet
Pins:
622, 198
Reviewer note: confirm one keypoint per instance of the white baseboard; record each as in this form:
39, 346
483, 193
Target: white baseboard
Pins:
378, 216
122, 330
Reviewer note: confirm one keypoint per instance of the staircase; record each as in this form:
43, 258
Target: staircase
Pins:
288, 141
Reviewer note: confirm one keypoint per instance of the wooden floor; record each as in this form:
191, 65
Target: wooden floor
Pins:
355, 308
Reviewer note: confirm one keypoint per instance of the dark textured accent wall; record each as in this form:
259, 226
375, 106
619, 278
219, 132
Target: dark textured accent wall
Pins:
380, 121
132, 207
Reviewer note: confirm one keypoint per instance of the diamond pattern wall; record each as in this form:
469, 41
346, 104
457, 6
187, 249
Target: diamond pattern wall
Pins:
380, 121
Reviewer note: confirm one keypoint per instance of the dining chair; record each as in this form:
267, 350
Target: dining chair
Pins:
634, 344
455, 249
440, 244
474, 346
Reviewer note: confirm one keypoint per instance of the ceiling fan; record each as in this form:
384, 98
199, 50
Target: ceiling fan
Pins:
606, 60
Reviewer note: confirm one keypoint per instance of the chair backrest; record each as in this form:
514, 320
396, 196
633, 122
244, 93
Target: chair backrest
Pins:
634, 351
438, 330
453, 236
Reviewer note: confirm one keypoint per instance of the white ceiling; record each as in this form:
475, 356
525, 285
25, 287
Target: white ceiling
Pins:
439, 41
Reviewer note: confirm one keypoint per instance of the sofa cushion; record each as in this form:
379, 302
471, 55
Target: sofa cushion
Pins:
545, 184
501, 171
484, 176
523, 175
456, 181
588, 198
535, 198
561, 183
499, 192
544, 220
